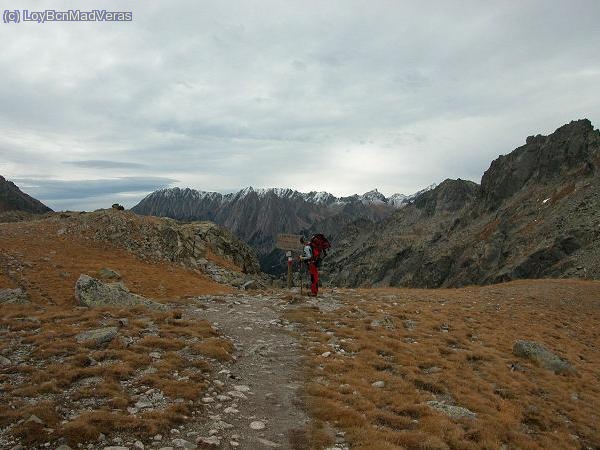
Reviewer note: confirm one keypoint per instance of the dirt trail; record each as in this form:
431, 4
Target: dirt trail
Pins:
258, 404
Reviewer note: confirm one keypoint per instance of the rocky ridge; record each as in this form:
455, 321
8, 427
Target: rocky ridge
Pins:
199, 245
536, 214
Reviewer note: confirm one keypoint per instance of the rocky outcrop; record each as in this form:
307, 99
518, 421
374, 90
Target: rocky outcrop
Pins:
572, 150
198, 245
13, 199
535, 215
13, 297
93, 293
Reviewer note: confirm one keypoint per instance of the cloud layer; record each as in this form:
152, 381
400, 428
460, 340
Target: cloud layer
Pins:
342, 95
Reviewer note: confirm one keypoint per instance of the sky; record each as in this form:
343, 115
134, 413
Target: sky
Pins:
340, 95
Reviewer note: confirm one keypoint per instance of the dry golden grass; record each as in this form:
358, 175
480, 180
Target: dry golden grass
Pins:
53, 264
60, 368
471, 365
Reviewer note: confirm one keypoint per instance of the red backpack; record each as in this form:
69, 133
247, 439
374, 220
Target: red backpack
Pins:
320, 244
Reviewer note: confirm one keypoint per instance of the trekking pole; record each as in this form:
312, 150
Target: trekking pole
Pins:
301, 276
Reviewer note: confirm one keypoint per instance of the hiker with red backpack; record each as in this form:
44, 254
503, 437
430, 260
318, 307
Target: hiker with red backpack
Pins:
314, 252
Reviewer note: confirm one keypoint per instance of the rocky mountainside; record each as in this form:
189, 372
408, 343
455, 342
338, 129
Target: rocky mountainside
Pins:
536, 214
13, 199
258, 215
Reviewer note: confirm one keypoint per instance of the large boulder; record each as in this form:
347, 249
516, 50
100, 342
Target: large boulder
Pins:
541, 355
97, 337
13, 297
92, 293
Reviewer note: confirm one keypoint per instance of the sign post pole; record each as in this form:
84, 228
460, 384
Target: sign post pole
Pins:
290, 243
289, 273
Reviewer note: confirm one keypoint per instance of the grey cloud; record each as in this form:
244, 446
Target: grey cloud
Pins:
51, 189
101, 164
222, 94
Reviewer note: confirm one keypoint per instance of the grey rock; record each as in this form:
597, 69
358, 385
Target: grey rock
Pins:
378, 384
92, 293
541, 355
36, 419
98, 337
210, 441
257, 425
109, 274
4, 362
182, 443
268, 443
452, 411
385, 322
13, 297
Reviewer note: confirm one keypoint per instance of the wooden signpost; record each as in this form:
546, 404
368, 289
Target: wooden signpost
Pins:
289, 242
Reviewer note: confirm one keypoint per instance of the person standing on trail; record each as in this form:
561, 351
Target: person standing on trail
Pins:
313, 253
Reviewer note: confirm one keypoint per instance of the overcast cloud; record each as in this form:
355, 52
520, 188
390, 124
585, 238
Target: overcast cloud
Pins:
342, 96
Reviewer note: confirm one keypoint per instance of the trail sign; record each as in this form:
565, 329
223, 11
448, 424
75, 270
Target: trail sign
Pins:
289, 242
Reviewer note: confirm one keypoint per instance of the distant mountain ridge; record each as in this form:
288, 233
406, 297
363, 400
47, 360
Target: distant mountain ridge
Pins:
13, 199
258, 215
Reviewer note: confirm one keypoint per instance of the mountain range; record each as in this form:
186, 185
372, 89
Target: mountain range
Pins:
258, 215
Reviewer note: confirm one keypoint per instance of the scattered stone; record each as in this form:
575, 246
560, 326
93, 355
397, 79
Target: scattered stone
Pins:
109, 274
154, 355
257, 425
385, 322
4, 361
123, 322
36, 419
92, 293
63, 447
234, 443
13, 297
208, 400
248, 285
211, 441
18, 447
158, 437
410, 324
242, 388
98, 337
182, 443
231, 410
454, 412
378, 384
116, 447
138, 445
541, 355
326, 354
268, 443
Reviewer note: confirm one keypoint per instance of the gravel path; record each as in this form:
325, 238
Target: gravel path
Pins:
254, 403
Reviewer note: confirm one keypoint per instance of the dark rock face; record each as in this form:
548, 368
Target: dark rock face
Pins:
541, 159
535, 215
13, 199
